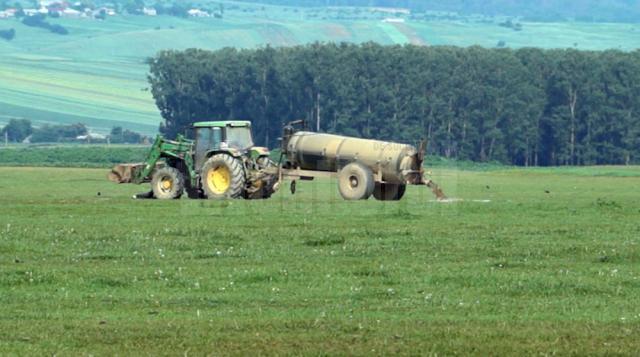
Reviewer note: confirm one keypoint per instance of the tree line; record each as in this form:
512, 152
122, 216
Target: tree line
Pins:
38, 20
523, 107
17, 130
21, 130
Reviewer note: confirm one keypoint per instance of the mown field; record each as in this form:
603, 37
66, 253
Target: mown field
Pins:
548, 266
96, 74
66, 155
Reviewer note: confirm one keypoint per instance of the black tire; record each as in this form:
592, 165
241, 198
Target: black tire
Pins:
355, 182
235, 180
194, 193
267, 189
262, 194
266, 194
167, 183
389, 191
265, 162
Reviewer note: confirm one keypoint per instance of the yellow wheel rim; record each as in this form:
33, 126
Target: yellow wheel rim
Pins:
165, 184
219, 180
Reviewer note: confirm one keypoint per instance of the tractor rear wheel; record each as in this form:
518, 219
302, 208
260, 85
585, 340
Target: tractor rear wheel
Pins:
167, 183
389, 191
223, 177
355, 182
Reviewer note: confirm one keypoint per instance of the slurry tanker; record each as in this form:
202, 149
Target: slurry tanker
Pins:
223, 163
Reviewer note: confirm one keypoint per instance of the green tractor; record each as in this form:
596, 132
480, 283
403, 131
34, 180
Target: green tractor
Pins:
220, 163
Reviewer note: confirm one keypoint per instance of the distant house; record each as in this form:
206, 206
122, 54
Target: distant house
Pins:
109, 5
107, 10
91, 136
71, 13
198, 13
391, 10
7, 14
55, 6
47, 3
395, 20
30, 12
55, 9
149, 11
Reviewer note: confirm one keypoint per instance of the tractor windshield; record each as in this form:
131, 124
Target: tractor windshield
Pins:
239, 137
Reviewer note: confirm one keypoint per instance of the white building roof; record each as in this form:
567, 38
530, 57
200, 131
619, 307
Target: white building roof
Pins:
394, 20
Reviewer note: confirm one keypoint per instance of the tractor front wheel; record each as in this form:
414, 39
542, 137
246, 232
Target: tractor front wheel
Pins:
167, 183
223, 177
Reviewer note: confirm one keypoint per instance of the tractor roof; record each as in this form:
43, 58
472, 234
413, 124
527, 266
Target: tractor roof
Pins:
221, 124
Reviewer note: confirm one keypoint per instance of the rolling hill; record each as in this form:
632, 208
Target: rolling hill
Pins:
97, 74
545, 10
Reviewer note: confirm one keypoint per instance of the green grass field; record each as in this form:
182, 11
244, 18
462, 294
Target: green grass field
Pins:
66, 155
548, 266
96, 74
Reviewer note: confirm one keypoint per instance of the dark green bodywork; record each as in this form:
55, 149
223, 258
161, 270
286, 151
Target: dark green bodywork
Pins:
187, 150
181, 149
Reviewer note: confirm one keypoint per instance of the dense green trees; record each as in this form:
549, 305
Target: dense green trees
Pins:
8, 35
38, 21
124, 136
523, 107
16, 130
58, 133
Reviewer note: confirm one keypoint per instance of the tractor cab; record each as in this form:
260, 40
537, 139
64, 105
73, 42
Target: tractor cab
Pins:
221, 136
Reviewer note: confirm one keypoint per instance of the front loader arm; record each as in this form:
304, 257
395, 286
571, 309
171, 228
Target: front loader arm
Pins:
151, 160
179, 149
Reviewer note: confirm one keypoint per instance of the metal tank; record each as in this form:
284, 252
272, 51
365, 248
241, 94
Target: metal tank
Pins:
396, 163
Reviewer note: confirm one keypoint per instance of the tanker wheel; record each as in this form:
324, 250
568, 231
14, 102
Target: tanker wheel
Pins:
223, 177
167, 183
355, 182
389, 191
